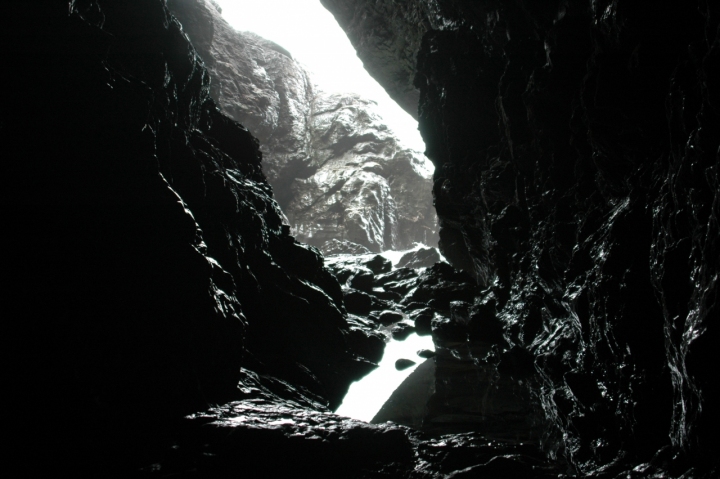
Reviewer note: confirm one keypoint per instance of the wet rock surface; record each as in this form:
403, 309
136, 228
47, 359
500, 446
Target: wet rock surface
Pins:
576, 155
225, 441
422, 258
337, 171
479, 382
149, 262
148, 276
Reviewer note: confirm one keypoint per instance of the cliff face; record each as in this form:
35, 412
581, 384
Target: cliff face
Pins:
577, 151
158, 313
147, 271
336, 169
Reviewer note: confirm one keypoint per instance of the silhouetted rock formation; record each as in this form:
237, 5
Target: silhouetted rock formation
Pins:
147, 265
577, 162
408, 403
336, 169
159, 314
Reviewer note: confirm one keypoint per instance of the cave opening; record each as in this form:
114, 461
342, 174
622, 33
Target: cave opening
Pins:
165, 318
309, 33
358, 164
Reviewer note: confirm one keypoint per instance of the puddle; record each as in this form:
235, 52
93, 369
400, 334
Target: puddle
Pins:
367, 396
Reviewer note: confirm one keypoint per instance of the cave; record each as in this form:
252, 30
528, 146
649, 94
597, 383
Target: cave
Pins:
169, 318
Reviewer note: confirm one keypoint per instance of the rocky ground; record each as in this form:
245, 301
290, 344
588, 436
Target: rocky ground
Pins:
477, 384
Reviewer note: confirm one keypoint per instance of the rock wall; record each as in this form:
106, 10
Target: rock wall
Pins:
147, 273
336, 169
577, 151
161, 321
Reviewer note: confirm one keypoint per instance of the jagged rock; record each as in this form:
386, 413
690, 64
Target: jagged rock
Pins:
390, 317
390, 58
399, 274
422, 258
345, 265
576, 169
441, 284
232, 439
401, 331
337, 171
148, 273
335, 247
229, 440
357, 302
149, 261
423, 321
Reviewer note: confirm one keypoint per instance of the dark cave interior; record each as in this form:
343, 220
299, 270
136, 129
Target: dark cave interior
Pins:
164, 322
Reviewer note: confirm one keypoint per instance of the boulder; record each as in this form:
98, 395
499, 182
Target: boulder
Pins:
402, 364
422, 258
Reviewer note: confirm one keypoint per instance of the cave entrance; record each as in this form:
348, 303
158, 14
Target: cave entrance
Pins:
310, 33
345, 161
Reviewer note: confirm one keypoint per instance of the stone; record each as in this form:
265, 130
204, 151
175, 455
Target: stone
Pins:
576, 184
423, 321
357, 302
402, 364
336, 246
390, 317
140, 213
362, 281
447, 329
401, 331
440, 284
426, 353
422, 258
372, 28
395, 276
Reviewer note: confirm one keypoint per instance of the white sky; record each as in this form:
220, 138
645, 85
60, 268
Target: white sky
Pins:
314, 38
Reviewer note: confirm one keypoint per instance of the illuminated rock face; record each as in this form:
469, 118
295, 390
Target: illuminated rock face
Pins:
576, 154
336, 169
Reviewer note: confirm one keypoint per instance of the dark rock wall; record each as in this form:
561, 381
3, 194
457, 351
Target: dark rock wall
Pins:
337, 171
373, 27
576, 147
147, 273
146, 269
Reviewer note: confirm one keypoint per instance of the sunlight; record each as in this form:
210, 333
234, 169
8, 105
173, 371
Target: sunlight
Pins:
311, 34
367, 396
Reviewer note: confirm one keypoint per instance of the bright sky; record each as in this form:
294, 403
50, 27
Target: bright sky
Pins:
314, 38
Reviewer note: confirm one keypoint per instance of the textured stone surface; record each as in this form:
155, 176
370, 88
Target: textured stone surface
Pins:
147, 274
422, 258
389, 57
336, 169
146, 259
577, 158
247, 437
